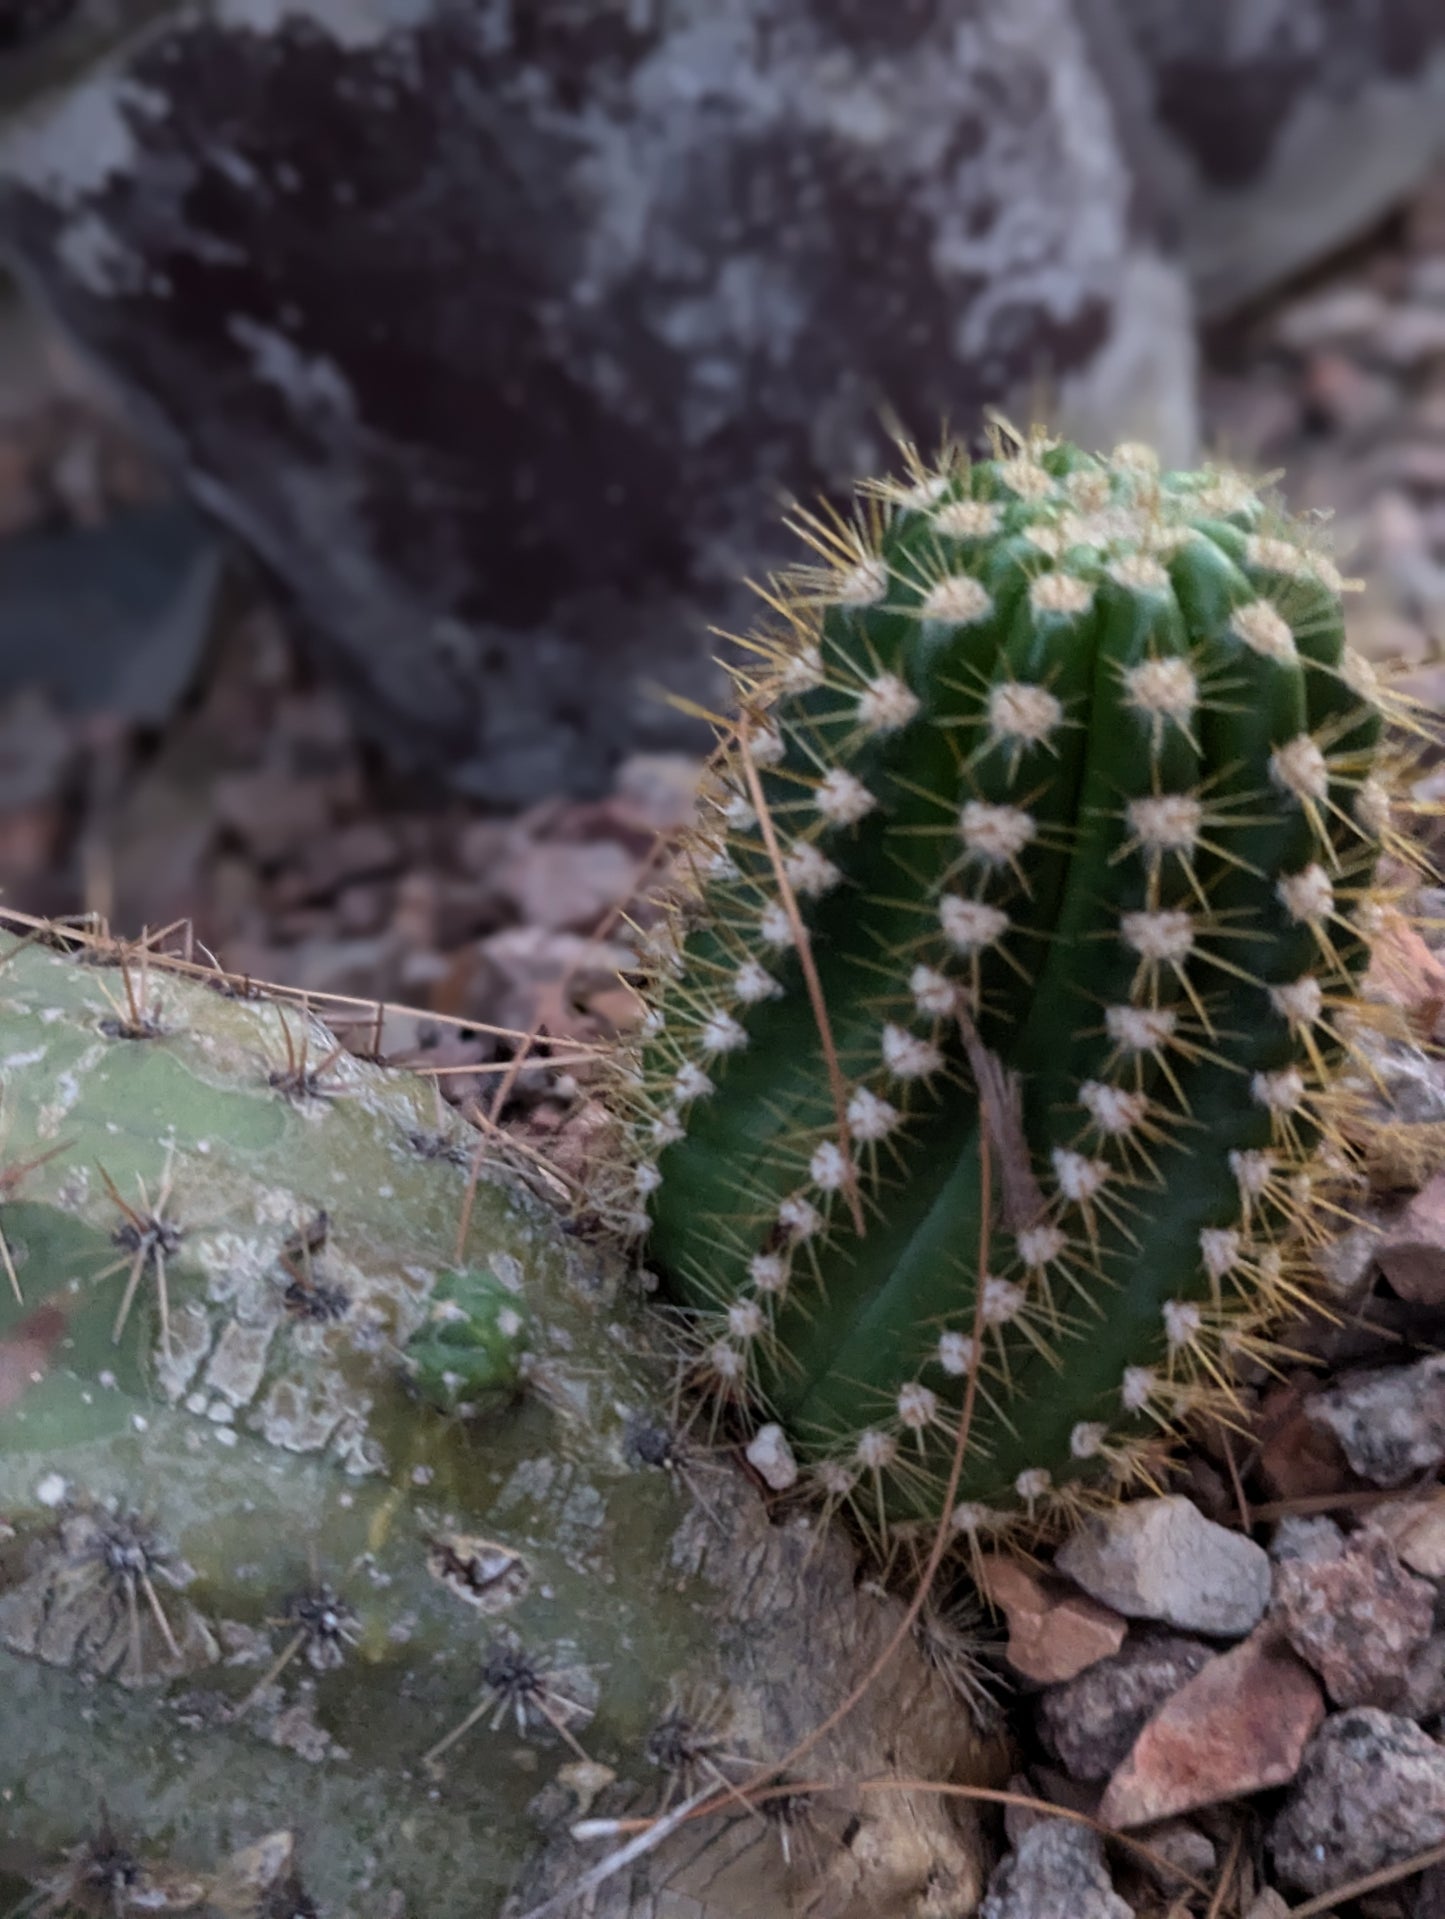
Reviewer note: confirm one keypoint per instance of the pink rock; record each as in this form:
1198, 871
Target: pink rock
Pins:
1240, 1725
1416, 1529
1055, 1633
1412, 1253
1357, 1619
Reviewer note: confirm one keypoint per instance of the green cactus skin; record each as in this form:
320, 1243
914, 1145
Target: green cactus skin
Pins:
279, 1441
1078, 752
349, 1550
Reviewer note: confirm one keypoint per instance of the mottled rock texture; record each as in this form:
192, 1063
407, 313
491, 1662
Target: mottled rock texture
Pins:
498, 332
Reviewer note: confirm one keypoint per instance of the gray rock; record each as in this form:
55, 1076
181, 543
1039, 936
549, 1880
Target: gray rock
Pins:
1058, 1867
1391, 1424
1370, 1793
1091, 1723
1162, 1559
499, 333
1310, 1538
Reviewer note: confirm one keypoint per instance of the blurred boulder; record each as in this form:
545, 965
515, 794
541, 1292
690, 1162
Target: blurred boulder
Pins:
498, 332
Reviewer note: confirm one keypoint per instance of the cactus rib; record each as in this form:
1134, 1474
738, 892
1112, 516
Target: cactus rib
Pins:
1079, 791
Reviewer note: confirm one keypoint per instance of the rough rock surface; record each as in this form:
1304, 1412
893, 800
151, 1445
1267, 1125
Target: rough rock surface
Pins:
497, 331
1057, 1867
1241, 1724
1091, 1723
1371, 1792
1358, 1619
1162, 1559
1391, 1424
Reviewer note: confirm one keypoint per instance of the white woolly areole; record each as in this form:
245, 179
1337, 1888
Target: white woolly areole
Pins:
765, 745
721, 1033
1372, 806
967, 519
646, 1179
1283, 556
1114, 1109
1090, 489
923, 492
1359, 675
774, 926
1301, 1002
907, 1056
1086, 1441
1139, 573
875, 1451
1253, 1169
739, 813
842, 798
667, 1129
1140, 1029
958, 598
1282, 1092
720, 866
745, 1319
802, 670
1265, 630
799, 1217
971, 925
1166, 822
752, 982
1220, 1247
1308, 897
769, 1273
1299, 767
836, 1479
1003, 1301
1079, 1177
1033, 1483
1038, 1246
1225, 495
726, 1362
1047, 536
808, 871
1163, 689
997, 834
1182, 1323
1165, 938
861, 585
1060, 593
955, 1354
1025, 714
653, 1022
1134, 456
691, 1083
970, 1516
933, 992
1138, 1388
886, 704
771, 1457
869, 1117
828, 1168
917, 1406
1026, 478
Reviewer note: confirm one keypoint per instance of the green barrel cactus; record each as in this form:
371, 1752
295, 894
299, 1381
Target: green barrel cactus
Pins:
321, 1533
1045, 840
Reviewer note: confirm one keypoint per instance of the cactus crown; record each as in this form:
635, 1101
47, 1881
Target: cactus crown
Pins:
1044, 842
